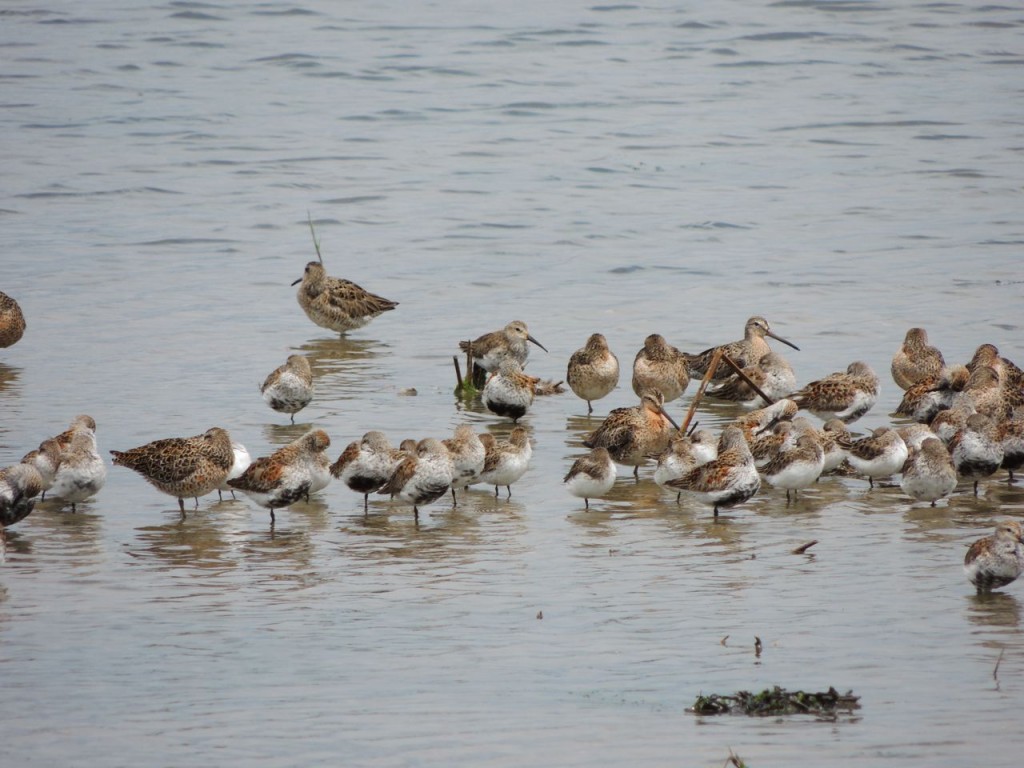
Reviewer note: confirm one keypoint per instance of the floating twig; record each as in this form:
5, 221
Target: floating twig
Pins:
995, 672
734, 760
804, 547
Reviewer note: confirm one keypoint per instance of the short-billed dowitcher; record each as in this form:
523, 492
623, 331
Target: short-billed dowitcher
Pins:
977, 452
881, 454
289, 387
846, 395
632, 434
19, 486
506, 460
508, 391
997, 560
365, 465
490, 349
289, 474
182, 466
727, 480
915, 360
747, 351
421, 478
659, 365
593, 370
336, 304
928, 473
12, 322
591, 476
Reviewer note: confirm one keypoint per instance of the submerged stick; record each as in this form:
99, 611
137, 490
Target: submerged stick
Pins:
746, 379
804, 547
715, 359
458, 372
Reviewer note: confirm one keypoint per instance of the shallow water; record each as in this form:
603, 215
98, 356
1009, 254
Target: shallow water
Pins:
847, 169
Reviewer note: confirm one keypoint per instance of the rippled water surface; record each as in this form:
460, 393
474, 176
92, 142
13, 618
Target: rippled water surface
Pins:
848, 169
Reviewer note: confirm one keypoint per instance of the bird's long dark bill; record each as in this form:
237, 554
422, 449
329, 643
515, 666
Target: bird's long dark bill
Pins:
530, 338
670, 419
300, 280
787, 343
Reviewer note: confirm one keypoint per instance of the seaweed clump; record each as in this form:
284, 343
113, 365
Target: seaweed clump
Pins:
778, 701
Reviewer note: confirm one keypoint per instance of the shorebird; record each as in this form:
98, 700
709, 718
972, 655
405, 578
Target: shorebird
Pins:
241, 461
923, 400
490, 349
509, 391
336, 304
506, 460
880, 454
423, 477
763, 419
997, 560
591, 476
683, 454
593, 370
796, 467
632, 434
182, 466
1011, 435
727, 480
19, 486
977, 452
843, 395
81, 472
289, 387
365, 465
985, 393
658, 365
747, 351
929, 474
832, 431
772, 374
468, 455
12, 322
289, 474
987, 355
915, 360
46, 459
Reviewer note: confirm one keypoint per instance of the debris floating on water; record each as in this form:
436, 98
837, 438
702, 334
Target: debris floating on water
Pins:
778, 701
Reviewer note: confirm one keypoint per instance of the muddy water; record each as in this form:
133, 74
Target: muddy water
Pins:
848, 170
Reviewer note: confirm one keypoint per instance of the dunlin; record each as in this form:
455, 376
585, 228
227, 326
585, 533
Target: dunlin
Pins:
881, 454
1008, 372
241, 461
289, 474
365, 465
945, 424
977, 452
846, 395
631, 434
593, 370
289, 388
683, 454
468, 456
422, 478
591, 476
658, 365
796, 467
747, 351
508, 391
923, 400
506, 460
490, 349
832, 432
46, 459
81, 473
12, 322
997, 560
763, 419
765, 445
727, 480
929, 474
19, 486
986, 393
1010, 433
336, 304
182, 466
915, 434
915, 360
772, 374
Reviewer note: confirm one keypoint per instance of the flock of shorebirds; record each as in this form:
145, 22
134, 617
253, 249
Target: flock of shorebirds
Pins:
966, 424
